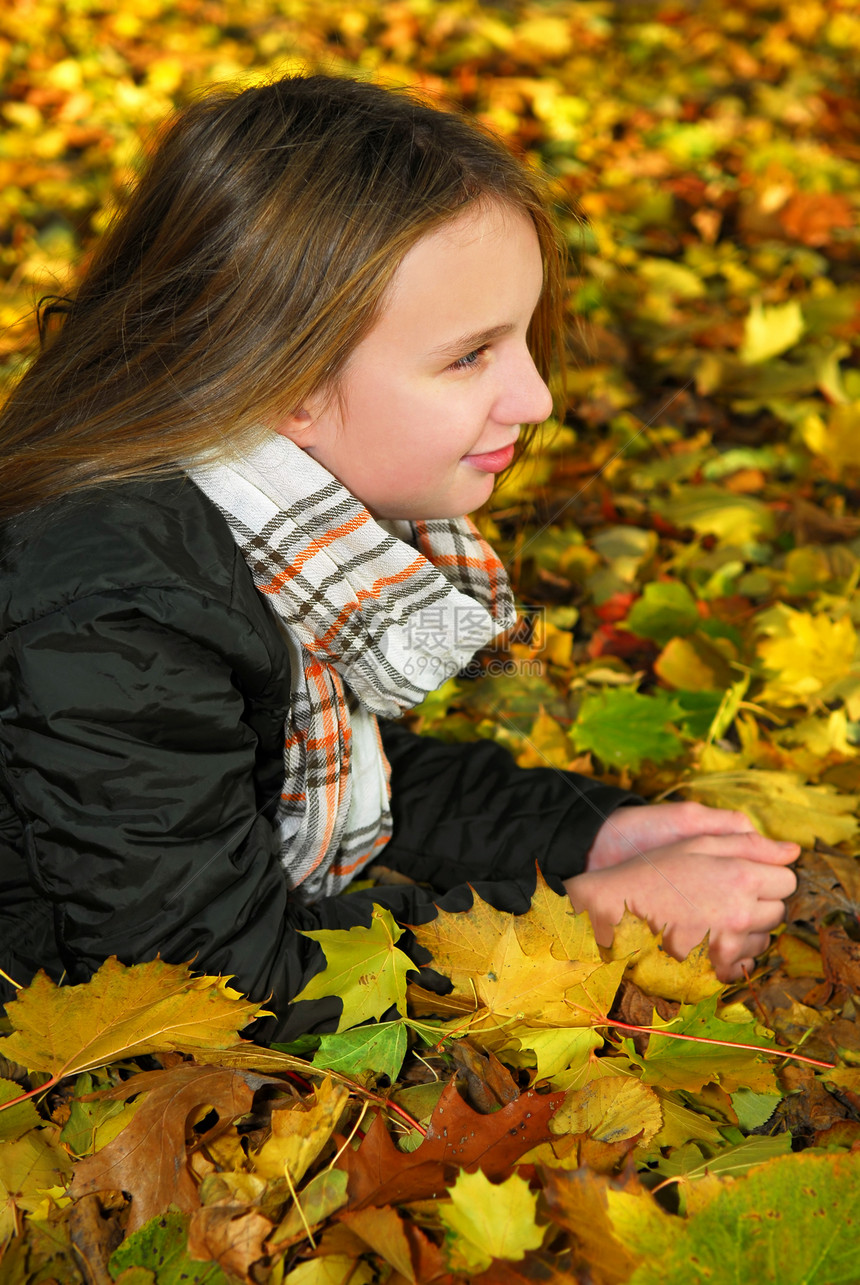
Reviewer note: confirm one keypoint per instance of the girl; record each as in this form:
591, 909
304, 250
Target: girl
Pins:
233, 488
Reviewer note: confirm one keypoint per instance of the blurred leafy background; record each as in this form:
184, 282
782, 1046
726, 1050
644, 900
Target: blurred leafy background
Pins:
685, 540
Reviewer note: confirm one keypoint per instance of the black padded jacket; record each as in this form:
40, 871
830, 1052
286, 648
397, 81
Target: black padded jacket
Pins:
143, 689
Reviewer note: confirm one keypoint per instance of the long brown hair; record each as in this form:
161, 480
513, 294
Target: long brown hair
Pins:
252, 257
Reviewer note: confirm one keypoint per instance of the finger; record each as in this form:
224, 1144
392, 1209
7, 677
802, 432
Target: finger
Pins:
733, 972
756, 944
768, 883
750, 846
718, 820
729, 967
765, 916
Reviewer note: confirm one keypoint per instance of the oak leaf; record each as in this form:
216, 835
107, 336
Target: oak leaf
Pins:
232, 1236
148, 1159
457, 1137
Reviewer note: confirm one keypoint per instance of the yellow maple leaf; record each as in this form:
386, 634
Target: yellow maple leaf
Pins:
122, 1012
834, 440
299, 1133
768, 331
610, 1110
29, 1167
543, 968
489, 1220
780, 804
814, 744
659, 973
804, 656
547, 744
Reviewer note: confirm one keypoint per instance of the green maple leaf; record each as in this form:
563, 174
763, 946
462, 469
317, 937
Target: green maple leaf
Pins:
666, 610
380, 1048
689, 1064
623, 727
162, 1245
363, 967
789, 1221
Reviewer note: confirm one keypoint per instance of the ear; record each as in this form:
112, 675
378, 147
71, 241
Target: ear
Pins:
300, 427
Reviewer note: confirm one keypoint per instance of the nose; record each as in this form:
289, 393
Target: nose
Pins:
524, 398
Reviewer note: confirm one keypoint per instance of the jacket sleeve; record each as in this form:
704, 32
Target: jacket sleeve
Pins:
131, 765
469, 813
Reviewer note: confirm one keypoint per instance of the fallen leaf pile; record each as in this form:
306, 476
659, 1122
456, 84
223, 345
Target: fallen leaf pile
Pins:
686, 550
563, 1109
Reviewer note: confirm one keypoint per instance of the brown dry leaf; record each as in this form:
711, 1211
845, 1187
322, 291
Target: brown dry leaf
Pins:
148, 1160
457, 1137
397, 1242
578, 1202
847, 872
122, 1012
632, 1005
489, 1083
811, 217
233, 1236
808, 1108
840, 955
93, 1238
818, 892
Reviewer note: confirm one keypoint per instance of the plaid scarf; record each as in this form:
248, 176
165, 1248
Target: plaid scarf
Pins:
375, 615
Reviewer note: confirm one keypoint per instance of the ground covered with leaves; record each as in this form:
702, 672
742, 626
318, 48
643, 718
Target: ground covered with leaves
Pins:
687, 553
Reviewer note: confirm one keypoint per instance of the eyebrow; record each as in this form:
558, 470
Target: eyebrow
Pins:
466, 343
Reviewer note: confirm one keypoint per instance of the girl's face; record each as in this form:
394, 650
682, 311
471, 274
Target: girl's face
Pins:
432, 399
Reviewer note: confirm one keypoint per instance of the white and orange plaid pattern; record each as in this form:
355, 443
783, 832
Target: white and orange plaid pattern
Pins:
375, 616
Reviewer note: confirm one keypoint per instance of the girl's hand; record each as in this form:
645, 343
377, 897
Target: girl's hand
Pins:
629, 832
732, 885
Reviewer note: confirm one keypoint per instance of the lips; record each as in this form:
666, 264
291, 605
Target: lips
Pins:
491, 461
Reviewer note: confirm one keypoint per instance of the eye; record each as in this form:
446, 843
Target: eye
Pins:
471, 360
